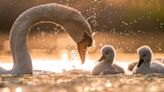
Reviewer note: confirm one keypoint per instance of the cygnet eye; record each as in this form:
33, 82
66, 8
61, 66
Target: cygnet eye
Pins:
106, 52
144, 55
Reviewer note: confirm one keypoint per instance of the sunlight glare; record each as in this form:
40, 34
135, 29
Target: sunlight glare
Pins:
65, 64
18, 89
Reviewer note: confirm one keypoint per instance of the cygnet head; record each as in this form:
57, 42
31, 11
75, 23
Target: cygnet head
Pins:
145, 55
108, 54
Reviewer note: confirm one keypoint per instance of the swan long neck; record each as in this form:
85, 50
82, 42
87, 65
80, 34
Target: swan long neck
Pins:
21, 57
20, 29
53, 13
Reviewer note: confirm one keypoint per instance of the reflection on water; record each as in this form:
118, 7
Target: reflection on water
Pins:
70, 76
56, 66
65, 82
63, 65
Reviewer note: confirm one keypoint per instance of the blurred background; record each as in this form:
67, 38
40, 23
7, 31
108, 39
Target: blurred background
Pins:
125, 24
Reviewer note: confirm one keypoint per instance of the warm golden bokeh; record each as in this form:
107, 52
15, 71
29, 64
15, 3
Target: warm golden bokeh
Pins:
58, 53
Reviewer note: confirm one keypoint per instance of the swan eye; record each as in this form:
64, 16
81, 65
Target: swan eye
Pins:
88, 39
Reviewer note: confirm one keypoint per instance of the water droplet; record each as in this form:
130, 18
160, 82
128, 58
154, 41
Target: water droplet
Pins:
5, 89
108, 84
161, 24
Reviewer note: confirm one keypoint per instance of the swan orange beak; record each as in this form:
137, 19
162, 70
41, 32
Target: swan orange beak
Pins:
82, 48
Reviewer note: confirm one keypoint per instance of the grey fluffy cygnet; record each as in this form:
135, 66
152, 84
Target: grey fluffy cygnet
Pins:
145, 64
106, 65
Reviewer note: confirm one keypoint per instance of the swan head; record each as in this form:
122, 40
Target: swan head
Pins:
108, 54
80, 31
145, 55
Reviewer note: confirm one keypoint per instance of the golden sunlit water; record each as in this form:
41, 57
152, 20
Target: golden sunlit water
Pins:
63, 65
71, 76
62, 71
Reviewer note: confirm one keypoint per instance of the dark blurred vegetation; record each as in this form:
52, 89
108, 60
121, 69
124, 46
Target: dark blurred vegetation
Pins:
125, 19
121, 15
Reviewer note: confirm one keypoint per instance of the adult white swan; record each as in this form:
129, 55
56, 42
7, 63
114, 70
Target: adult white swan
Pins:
145, 64
70, 19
